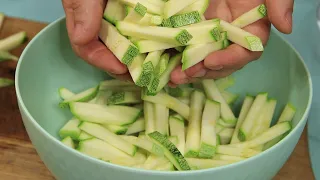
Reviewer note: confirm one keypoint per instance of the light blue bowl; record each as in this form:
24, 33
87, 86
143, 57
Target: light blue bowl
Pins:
48, 63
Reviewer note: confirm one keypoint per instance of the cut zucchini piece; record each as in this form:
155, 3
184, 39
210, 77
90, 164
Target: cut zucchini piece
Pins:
136, 14
154, 161
102, 150
176, 126
254, 112
264, 121
226, 135
164, 34
225, 124
242, 37
145, 46
159, 82
104, 134
287, 113
194, 54
114, 11
273, 132
144, 143
168, 101
165, 167
151, 20
286, 116
13, 41
149, 116
197, 100
180, 20
204, 33
112, 115
218, 128
208, 143
200, 6
225, 83
229, 97
236, 151
213, 93
173, 7
124, 97
251, 16
180, 91
4, 82
170, 151
116, 129
228, 158
197, 164
65, 93
149, 65
68, 142
136, 127
102, 97
84, 136
70, 129
248, 100
5, 55
136, 71
161, 119
83, 96
120, 46
162, 65
151, 7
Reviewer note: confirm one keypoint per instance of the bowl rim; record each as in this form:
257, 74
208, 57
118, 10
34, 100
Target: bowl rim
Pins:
154, 172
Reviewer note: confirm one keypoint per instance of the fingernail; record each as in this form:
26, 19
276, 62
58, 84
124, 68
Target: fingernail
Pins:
216, 67
200, 73
288, 17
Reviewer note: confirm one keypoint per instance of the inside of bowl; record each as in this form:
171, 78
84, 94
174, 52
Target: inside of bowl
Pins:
49, 63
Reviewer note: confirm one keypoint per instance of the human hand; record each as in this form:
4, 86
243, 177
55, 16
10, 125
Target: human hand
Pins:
83, 20
224, 62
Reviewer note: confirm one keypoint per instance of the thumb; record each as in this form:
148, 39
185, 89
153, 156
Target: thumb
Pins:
83, 19
280, 14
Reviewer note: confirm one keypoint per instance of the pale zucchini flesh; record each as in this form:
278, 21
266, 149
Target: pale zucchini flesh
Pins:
170, 151
251, 16
211, 113
106, 135
114, 11
168, 101
101, 114
170, 35
193, 139
119, 45
246, 105
13, 41
70, 129
242, 37
248, 123
213, 93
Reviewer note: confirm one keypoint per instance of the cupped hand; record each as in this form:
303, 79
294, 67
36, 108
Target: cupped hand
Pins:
83, 18
224, 62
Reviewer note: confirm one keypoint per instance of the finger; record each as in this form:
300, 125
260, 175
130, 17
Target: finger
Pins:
83, 19
97, 54
178, 76
235, 56
172, 85
280, 14
218, 8
123, 77
197, 70
218, 74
